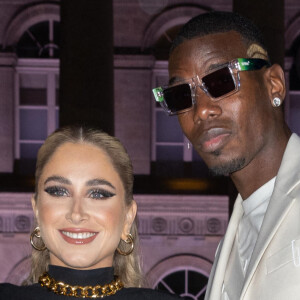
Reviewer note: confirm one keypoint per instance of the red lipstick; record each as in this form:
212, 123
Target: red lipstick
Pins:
78, 236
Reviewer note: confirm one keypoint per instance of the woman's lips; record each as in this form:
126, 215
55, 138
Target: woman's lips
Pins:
78, 236
213, 139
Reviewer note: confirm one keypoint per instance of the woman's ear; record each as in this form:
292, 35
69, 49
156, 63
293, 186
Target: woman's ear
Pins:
34, 207
130, 216
275, 82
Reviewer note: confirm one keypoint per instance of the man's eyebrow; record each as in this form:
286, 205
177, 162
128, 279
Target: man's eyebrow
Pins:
212, 67
175, 79
215, 66
58, 179
98, 181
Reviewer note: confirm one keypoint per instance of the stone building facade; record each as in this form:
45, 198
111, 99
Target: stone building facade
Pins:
179, 233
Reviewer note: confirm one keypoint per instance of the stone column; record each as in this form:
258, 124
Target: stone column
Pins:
133, 108
7, 71
86, 64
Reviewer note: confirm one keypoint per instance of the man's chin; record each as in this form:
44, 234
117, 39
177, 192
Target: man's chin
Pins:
227, 168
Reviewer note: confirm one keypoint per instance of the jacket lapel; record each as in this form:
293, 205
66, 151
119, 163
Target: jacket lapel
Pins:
281, 201
218, 276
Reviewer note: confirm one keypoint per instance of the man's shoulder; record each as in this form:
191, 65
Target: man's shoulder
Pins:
294, 141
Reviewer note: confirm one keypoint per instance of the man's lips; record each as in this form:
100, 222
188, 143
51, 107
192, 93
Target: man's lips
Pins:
78, 236
213, 139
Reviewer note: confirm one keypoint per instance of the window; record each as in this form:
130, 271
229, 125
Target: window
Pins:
168, 141
170, 147
293, 116
36, 109
40, 40
186, 282
294, 111
184, 275
36, 90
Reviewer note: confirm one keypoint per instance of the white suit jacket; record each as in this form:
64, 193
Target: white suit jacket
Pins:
274, 268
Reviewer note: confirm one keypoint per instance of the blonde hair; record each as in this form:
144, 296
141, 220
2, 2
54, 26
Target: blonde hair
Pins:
126, 267
256, 51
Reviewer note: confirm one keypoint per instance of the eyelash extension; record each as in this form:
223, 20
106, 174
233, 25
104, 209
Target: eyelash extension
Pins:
104, 194
56, 191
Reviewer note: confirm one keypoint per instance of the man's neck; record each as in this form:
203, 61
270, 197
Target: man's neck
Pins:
260, 170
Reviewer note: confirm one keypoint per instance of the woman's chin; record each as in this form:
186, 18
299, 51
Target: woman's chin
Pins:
82, 261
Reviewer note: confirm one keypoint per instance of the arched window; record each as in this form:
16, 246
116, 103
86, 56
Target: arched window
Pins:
186, 282
184, 275
41, 40
34, 35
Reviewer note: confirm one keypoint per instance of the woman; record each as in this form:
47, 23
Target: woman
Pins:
86, 237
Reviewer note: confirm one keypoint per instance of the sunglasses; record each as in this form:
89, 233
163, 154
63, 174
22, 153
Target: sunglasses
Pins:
218, 84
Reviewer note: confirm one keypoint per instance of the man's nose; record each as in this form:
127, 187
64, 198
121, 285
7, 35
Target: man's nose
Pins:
205, 108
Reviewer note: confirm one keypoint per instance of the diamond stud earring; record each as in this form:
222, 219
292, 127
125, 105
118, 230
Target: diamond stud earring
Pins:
276, 102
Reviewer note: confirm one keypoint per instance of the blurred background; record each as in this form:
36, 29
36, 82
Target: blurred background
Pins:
95, 62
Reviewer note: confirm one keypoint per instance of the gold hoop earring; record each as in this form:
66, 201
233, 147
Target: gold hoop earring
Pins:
128, 241
36, 234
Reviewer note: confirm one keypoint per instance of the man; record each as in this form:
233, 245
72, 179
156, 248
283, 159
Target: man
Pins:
228, 99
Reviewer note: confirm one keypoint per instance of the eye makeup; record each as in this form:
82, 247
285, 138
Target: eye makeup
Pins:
57, 191
58, 188
101, 194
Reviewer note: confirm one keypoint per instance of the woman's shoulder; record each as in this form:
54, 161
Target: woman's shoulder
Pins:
11, 291
7, 289
144, 293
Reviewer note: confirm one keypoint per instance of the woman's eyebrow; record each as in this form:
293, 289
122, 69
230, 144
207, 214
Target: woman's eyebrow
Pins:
98, 181
58, 179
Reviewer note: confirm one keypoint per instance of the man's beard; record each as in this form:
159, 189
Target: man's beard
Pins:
228, 167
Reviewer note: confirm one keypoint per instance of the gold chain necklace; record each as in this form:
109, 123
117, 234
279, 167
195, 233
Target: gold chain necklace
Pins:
98, 291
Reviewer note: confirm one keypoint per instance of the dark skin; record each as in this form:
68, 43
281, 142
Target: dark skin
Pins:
243, 127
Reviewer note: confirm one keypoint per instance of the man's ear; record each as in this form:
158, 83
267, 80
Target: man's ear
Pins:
130, 216
34, 207
276, 82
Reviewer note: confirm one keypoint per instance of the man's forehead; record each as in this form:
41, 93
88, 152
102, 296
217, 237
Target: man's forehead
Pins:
224, 45
229, 39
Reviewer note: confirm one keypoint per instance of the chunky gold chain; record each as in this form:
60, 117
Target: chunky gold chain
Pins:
98, 291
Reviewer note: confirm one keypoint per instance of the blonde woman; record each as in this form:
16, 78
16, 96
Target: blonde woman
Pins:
85, 238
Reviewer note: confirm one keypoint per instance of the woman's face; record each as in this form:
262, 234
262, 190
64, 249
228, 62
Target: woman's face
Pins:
80, 208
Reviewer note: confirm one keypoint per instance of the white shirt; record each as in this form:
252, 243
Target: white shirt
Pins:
254, 207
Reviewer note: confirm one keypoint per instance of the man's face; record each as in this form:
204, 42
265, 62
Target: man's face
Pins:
233, 132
